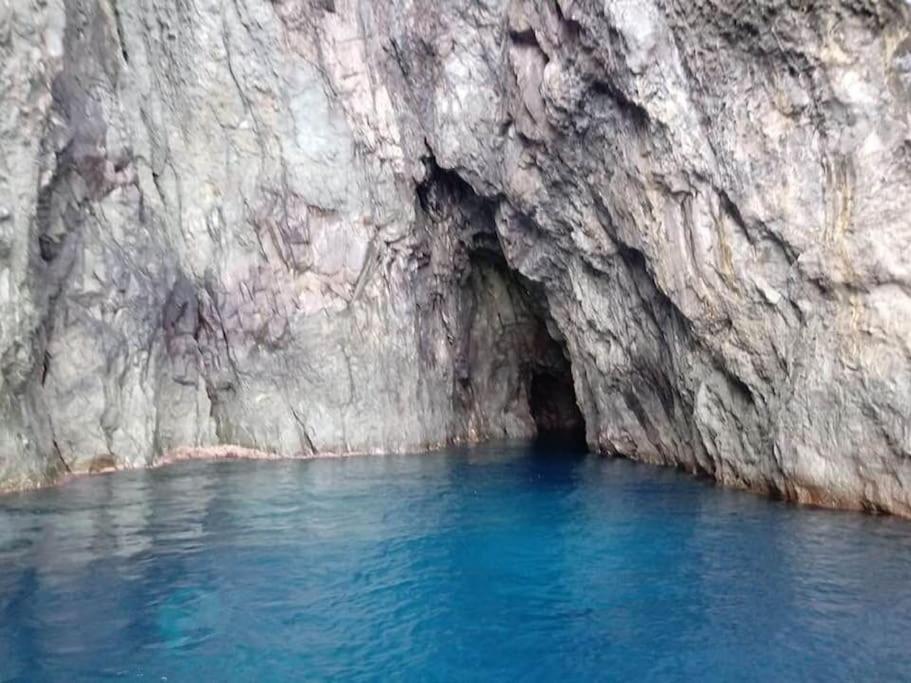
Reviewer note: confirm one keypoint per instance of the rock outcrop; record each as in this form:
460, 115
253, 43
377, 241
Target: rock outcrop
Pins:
308, 226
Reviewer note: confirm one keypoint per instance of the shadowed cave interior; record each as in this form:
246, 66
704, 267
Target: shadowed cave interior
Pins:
509, 340
554, 407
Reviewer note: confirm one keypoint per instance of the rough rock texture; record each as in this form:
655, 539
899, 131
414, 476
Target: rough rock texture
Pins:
305, 226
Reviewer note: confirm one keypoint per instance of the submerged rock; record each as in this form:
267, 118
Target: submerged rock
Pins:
358, 226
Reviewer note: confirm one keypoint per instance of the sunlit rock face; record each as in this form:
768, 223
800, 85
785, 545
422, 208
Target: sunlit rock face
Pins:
309, 226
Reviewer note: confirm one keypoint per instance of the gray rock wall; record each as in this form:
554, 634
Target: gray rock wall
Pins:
305, 226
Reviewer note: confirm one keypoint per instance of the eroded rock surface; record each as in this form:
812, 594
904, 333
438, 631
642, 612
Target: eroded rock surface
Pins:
304, 226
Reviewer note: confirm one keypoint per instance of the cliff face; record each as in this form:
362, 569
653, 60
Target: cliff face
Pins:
306, 226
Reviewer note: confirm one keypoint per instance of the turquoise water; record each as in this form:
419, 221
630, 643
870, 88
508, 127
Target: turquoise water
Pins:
488, 564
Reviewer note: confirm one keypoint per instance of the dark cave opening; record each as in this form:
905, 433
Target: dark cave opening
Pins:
554, 407
541, 355
515, 351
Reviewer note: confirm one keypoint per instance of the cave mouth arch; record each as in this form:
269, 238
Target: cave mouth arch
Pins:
554, 407
540, 357
508, 345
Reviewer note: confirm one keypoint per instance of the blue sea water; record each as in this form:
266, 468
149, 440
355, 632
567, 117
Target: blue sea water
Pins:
497, 563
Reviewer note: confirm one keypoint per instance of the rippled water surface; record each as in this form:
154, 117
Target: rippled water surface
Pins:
491, 564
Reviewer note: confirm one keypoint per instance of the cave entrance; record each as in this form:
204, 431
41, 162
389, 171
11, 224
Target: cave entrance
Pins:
553, 405
508, 346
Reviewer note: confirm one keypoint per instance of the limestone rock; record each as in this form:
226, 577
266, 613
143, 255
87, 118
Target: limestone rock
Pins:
299, 226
